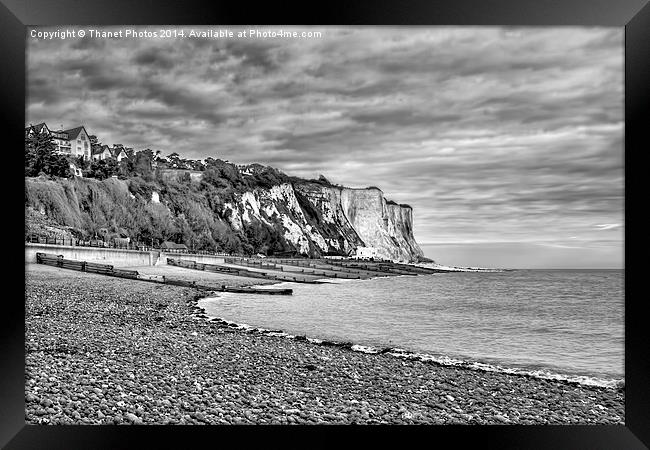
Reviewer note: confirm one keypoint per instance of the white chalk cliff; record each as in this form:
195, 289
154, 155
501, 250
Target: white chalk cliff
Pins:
246, 209
318, 219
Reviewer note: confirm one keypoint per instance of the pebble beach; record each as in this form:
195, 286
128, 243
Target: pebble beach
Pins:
103, 350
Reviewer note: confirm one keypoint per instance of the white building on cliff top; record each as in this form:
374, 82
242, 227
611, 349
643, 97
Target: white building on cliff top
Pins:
74, 141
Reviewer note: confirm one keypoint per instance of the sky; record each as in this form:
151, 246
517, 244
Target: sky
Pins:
506, 141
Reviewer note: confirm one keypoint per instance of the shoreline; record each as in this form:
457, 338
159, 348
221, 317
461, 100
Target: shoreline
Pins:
397, 352
107, 350
441, 360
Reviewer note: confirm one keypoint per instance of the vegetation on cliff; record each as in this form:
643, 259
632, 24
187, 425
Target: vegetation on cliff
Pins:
209, 205
40, 157
117, 197
187, 212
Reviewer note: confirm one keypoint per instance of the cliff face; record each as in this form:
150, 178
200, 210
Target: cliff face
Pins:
386, 227
317, 219
246, 216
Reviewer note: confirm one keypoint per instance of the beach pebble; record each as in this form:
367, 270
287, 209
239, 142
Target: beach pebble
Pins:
198, 416
182, 374
133, 418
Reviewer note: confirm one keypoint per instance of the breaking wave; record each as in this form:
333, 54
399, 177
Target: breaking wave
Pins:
440, 360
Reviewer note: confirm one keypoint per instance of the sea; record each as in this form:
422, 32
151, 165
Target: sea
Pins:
553, 324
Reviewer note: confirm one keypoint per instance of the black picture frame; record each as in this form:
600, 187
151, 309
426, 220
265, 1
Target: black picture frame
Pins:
633, 15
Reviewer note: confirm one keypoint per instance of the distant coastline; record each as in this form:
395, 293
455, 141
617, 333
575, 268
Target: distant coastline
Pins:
447, 268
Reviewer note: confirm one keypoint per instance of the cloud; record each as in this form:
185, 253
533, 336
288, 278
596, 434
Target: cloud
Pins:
608, 226
153, 57
490, 133
558, 245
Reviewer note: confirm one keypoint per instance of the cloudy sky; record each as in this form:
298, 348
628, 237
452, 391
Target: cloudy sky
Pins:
507, 142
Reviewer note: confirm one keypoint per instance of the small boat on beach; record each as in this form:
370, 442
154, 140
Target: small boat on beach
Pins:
249, 290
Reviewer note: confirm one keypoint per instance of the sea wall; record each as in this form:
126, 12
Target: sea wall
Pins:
120, 257
123, 258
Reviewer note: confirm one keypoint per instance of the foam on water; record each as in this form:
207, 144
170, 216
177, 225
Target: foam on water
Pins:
439, 360
224, 304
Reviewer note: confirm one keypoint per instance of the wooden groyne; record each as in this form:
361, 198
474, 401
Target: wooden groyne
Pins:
340, 269
381, 269
385, 270
320, 270
331, 268
109, 270
414, 269
84, 266
389, 267
241, 272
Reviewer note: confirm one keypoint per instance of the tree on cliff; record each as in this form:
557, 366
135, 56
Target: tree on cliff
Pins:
142, 164
95, 145
82, 163
126, 168
175, 161
104, 168
41, 157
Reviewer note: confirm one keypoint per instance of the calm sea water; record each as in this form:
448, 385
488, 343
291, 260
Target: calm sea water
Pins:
551, 321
